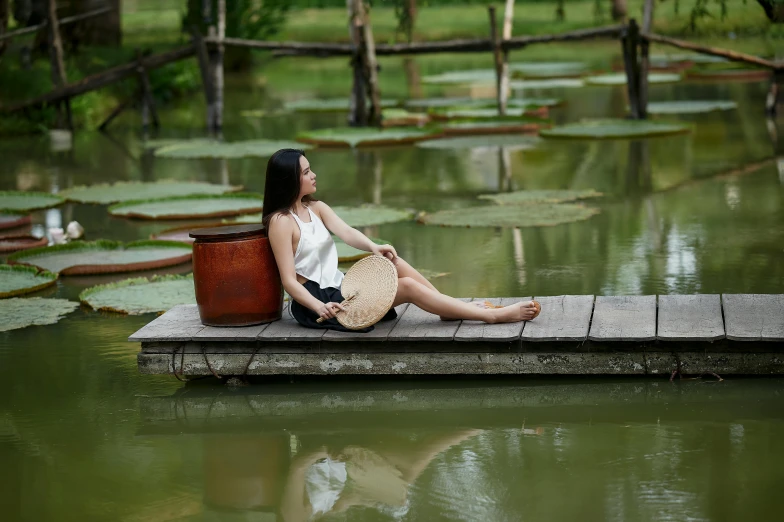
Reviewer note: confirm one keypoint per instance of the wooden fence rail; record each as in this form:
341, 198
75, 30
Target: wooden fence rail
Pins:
723, 53
63, 21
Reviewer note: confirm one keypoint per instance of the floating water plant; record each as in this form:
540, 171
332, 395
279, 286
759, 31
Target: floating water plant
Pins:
219, 149
182, 234
165, 142
348, 253
562, 83
21, 312
496, 125
16, 280
18, 201
21, 242
473, 76
367, 136
510, 216
13, 220
729, 74
547, 69
402, 117
328, 105
104, 256
479, 113
690, 106
187, 207
507, 141
528, 197
620, 78
614, 129
370, 215
141, 295
665, 59
138, 190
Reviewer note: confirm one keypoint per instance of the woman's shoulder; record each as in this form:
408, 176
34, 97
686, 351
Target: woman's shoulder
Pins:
281, 222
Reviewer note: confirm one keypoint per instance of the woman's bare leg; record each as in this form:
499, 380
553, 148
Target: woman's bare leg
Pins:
411, 291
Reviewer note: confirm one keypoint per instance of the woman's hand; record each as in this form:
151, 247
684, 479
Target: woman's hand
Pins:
329, 310
387, 251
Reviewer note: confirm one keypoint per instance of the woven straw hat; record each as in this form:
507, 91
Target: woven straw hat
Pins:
369, 290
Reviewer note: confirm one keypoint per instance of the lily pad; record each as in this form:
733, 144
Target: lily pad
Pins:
658, 60
16, 280
328, 105
13, 220
555, 83
614, 129
187, 207
730, 74
370, 215
217, 149
17, 201
135, 190
182, 234
402, 117
528, 197
21, 242
104, 257
366, 136
473, 76
690, 106
479, 113
547, 69
141, 295
349, 253
510, 216
165, 142
493, 126
620, 78
508, 141
21, 312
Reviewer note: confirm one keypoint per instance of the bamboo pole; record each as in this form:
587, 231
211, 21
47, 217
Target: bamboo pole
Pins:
216, 67
713, 51
202, 56
506, 34
647, 24
59, 77
63, 21
357, 102
148, 102
498, 60
371, 66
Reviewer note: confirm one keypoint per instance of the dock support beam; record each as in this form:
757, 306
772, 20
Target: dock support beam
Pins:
630, 39
647, 25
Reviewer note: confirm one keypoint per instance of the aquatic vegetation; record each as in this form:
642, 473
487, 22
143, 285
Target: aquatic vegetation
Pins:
547, 69
510, 216
105, 193
473, 76
614, 129
140, 295
185, 207
479, 113
367, 136
104, 256
13, 220
16, 280
181, 234
497, 125
507, 141
690, 106
349, 253
196, 149
369, 215
728, 74
18, 201
620, 78
554, 83
21, 242
21, 312
527, 197
664, 59
402, 117
328, 105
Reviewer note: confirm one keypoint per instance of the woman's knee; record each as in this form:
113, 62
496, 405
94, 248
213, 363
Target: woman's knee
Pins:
408, 286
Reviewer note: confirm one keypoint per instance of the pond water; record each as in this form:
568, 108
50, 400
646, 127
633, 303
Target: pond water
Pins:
84, 437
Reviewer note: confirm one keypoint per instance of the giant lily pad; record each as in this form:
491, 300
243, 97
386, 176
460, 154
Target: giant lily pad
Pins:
348, 253
474, 76
370, 215
182, 234
479, 113
528, 197
663, 60
187, 207
13, 220
17, 201
136, 190
556, 83
366, 136
614, 129
21, 312
402, 117
730, 74
511, 216
508, 141
493, 126
104, 257
547, 69
690, 106
17, 280
620, 78
217, 149
141, 295
20, 242
328, 105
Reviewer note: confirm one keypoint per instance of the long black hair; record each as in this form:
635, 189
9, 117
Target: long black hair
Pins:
281, 187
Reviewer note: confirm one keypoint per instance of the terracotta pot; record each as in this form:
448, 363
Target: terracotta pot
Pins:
237, 281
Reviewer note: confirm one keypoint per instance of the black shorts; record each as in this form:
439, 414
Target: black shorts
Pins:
307, 317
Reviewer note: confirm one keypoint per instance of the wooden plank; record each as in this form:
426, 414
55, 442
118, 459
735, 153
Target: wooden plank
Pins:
419, 325
690, 318
288, 329
180, 323
754, 317
379, 333
563, 318
234, 333
480, 331
624, 318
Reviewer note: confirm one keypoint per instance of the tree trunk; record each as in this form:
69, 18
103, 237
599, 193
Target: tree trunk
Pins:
773, 10
3, 23
619, 10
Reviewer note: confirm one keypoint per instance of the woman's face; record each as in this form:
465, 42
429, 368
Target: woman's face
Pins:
307, 178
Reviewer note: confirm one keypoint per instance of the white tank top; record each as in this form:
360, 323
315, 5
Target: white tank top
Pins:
316, 257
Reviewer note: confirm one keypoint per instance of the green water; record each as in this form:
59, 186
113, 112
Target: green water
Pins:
84, 437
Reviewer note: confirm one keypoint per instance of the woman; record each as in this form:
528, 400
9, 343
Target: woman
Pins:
299, 229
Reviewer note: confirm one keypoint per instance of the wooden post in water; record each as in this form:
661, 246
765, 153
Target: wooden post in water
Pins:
371, 65
647, 25
357, 103
145, 90
206, 77
629, 43
506, 34
497, 56
772, 100
216, 53
58, 66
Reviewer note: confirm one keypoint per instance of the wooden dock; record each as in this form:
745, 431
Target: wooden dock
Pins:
574, 335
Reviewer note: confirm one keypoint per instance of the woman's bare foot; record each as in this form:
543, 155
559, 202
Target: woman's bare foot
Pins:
522, 311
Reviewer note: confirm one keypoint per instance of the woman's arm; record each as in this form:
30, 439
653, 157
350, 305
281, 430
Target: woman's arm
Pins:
281, 232
350, 235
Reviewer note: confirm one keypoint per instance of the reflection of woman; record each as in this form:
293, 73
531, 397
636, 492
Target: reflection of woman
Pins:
322, 483
299, 229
